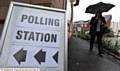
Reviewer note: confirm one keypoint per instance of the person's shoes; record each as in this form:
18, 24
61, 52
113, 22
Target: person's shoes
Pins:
100, 55
90, 50
102, 52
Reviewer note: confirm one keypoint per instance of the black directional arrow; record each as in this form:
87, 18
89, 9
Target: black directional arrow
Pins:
20, 56
55, 57
40, 56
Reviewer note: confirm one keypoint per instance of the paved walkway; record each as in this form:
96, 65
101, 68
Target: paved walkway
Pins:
80, 59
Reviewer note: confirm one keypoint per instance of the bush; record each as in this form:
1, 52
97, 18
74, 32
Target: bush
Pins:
107, 44
110, 34
84, 36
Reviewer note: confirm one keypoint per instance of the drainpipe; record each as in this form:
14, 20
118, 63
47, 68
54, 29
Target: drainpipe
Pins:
71, 18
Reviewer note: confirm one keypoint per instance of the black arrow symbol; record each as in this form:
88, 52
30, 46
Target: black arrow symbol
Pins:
20, 56
55, 57
40, 56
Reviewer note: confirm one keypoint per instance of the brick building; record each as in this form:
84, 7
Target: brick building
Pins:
84, 25
4, 5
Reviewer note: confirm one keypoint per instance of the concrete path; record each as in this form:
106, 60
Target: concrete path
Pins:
80, 59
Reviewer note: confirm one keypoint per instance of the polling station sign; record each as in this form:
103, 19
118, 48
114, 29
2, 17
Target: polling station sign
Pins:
34, 36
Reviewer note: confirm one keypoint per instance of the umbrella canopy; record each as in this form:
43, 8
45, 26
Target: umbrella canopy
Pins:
99, 7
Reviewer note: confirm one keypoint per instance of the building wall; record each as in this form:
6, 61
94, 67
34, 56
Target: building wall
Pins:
108, 19
115, 27
4, 5
58, 4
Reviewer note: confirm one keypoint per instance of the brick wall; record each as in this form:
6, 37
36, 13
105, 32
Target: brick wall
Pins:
4, 4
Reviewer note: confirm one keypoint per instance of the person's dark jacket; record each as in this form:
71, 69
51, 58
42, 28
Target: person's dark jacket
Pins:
93, 25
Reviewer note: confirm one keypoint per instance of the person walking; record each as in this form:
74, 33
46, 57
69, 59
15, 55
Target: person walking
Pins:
97, 24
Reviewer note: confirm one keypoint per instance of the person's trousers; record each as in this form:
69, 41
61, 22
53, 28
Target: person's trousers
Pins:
99, 41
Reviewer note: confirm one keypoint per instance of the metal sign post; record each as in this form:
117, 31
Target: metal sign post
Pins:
34, 36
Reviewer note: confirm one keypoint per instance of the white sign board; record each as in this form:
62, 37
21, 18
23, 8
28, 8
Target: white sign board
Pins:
34, 36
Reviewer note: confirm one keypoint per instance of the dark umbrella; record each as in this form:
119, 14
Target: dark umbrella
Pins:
99, 7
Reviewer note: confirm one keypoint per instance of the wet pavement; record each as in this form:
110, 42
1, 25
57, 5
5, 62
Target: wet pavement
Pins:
80, 59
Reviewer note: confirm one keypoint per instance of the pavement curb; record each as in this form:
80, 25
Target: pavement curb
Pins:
112, 54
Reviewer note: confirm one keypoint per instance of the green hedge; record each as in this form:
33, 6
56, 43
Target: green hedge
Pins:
84, 36
109, 45
110, 34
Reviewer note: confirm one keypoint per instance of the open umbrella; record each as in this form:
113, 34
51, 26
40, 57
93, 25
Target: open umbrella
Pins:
99, 7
